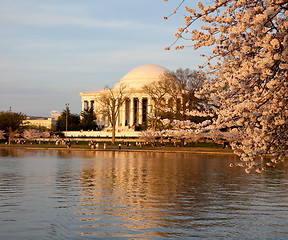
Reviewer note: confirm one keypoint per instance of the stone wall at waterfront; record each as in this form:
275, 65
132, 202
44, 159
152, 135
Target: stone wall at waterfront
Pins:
102, 134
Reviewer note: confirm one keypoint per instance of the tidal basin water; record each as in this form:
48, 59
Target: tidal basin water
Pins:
49, 194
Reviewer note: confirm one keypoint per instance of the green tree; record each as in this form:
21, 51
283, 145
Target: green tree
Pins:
11, 121
88, 120
73, 121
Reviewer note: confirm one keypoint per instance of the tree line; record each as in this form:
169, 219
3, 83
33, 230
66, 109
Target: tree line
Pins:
11, 124
179, 86
85, 121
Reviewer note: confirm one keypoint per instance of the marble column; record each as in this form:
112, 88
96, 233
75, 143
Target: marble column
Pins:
131, 112
127, 112
83, 106
140, 110
92, 104
86, 105
149, 108
123, 114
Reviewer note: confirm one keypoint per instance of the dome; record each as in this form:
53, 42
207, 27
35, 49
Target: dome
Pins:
142, 75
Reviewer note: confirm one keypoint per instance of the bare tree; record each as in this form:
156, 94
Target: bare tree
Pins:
111, 100
157, 91
183, 86
174, 95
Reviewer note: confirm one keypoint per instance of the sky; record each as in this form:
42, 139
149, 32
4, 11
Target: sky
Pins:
51, 50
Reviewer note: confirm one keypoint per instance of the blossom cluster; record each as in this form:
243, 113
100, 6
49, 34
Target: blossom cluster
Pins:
32, 134
248, 66
2, 134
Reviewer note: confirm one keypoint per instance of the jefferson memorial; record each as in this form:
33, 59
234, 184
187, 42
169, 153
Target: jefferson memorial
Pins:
137, 104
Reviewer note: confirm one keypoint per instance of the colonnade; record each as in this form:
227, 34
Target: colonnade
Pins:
88, 104
134, 111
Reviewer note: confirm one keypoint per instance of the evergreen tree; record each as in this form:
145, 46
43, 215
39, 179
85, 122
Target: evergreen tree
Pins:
11, 121
73, 121
88, 120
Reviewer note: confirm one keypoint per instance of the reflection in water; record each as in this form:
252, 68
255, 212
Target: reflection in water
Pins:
107, 195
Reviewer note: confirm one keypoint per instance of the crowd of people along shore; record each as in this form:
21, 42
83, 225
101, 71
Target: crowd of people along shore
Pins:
93, 144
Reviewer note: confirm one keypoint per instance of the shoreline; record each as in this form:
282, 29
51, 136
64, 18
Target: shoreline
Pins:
197, 150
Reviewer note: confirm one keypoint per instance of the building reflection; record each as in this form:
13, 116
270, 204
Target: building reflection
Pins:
136, 195
143, 189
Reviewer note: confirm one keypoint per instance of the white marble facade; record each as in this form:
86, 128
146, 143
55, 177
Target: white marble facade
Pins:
137, 105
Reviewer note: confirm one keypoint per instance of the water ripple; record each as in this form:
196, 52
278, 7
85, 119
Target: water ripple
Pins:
138, 196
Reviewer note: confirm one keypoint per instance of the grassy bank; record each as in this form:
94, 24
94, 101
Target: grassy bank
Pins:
84, 145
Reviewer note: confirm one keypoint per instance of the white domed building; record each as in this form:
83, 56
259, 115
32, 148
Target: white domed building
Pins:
137, 104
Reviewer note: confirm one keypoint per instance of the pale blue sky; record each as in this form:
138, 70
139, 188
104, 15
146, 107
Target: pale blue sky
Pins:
51, 50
